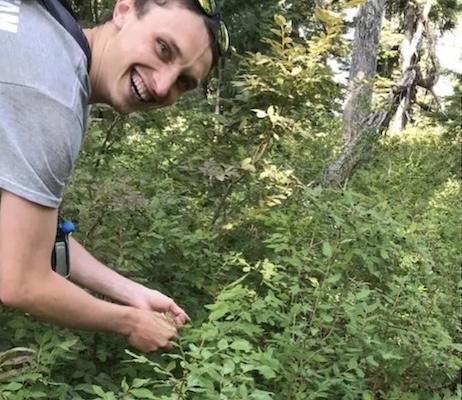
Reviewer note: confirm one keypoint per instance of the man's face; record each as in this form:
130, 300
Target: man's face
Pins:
152, 60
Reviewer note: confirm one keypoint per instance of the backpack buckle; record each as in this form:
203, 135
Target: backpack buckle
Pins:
60, 258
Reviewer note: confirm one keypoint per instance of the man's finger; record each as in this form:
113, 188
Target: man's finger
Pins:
180, 320
178, 312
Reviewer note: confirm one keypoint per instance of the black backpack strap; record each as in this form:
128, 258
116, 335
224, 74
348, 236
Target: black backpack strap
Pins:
62, 12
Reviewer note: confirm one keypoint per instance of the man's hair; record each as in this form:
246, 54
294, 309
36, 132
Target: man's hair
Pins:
142, 6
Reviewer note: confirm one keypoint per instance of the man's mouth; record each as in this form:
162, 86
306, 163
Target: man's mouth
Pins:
139, 88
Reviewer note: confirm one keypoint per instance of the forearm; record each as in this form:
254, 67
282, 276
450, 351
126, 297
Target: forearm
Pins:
88, 272
57, 300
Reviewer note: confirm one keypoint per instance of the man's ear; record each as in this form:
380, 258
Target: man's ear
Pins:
121, 9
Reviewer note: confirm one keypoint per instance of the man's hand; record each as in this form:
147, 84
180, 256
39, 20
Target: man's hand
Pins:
148, 299
152, 331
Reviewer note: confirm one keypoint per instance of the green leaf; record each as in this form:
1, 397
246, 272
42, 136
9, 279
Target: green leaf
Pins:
36, 394
363, 294
247, 165
137, 382
170, 366
242, 345
228, 367
277, 32
280, 20
390, 356
222, 344
456, 346
360, 372
384, 254
327, 249
99, 391
221, 310
327, 318
352, 363
267, 372
209, 333
367, 396
13, 386
371, 361
261, 395
334, 278
142, 394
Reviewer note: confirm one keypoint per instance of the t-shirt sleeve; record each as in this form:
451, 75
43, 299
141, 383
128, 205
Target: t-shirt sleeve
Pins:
39, 142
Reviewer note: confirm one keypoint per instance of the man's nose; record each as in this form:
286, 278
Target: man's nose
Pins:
165, 81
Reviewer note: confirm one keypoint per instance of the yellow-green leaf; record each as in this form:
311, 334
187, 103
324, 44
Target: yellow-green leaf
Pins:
280, 20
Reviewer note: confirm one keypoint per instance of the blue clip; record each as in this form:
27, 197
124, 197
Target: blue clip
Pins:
67, 227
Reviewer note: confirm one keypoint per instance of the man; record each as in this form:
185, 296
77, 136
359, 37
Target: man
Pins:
147, 56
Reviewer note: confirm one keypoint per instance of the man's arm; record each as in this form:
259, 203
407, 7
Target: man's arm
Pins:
27, 233
87, 271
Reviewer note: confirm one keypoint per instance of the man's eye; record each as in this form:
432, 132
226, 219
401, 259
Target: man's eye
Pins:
164, 50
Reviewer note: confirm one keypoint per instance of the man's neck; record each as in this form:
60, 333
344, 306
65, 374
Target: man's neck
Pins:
97, 38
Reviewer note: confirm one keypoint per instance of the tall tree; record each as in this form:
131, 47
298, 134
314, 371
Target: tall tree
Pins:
358, 103
363, 67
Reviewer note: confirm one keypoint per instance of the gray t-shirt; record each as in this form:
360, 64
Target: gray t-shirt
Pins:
44, 91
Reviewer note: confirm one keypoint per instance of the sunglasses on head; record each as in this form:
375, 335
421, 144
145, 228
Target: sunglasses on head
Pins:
209, 7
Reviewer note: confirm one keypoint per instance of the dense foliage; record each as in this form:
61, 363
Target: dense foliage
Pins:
297, 291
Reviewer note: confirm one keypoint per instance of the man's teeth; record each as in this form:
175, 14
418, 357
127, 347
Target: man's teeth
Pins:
139, 88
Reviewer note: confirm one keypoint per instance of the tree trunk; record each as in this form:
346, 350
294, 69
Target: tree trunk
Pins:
358, 103
410, 55
363, 67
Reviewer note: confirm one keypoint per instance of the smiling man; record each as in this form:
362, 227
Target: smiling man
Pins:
147, 56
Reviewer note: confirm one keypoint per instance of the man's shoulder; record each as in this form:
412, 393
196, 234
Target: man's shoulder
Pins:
38, 53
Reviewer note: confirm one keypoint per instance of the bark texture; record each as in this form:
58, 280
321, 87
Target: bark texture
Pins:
416, 27
357, 116
363, 67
